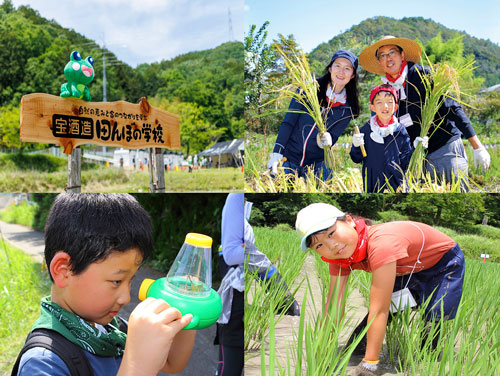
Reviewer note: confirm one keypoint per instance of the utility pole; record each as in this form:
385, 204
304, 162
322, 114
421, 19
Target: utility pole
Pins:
231, 35
104, 99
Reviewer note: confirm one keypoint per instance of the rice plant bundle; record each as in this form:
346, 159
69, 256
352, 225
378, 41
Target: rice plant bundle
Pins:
441, 83
304, 89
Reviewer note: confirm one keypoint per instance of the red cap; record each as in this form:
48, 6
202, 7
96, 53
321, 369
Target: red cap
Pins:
383, 87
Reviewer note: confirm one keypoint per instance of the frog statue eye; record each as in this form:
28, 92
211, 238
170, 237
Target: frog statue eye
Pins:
76, 55
91, 60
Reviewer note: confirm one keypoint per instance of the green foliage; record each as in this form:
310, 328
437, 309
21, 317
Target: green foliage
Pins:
44, 202
392, 215
39, 162
462, 212
22, 285
22, 213
196, 131
175, 215
272, 209
449, 209
486, 53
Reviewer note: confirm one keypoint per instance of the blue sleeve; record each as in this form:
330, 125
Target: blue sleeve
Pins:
456, 113
39, 361
287, 126
232, 231
339, 122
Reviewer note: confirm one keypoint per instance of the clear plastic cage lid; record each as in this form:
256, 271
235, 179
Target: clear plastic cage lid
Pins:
191, 272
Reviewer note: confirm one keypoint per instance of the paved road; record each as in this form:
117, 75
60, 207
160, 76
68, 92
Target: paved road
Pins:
203, 361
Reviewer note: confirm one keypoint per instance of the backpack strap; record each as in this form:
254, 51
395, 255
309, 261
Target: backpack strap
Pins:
72, 355
122, 324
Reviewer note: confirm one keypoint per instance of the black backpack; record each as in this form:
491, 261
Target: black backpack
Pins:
72, 355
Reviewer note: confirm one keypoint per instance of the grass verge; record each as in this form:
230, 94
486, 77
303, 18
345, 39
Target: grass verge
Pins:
22, 285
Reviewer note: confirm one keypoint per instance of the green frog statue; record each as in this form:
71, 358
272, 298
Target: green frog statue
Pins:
79, 74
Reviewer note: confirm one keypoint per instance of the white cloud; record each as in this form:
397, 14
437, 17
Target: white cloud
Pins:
153, 30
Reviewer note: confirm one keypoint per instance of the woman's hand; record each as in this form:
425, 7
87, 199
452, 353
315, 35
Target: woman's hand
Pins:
324, 139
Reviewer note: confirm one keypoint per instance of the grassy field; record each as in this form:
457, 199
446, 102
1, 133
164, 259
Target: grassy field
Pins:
22, 284
469, 343
50, 175
347, 174
22, 214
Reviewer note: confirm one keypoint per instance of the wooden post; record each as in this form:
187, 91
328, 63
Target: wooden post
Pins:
160, 171
151, 172
74, 171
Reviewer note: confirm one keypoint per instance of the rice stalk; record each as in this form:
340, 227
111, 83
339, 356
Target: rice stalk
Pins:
441, 83
304, 89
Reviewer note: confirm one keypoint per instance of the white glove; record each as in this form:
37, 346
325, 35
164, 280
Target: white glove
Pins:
358, 139
423, 140
482, 158
272, 164
324, 140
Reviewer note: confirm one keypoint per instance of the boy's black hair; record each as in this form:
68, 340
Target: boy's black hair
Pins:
90, 226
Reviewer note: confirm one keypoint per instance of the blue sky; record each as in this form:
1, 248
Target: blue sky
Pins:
146, 31
315, 21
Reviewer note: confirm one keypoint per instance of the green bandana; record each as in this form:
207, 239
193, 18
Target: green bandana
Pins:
80, 332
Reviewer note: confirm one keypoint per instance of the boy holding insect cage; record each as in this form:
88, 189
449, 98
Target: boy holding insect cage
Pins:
94, 245
409, 262
387, 144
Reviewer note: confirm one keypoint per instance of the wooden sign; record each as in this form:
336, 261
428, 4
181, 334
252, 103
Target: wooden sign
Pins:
71, 122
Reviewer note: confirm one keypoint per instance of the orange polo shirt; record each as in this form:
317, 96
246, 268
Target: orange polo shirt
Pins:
401, 242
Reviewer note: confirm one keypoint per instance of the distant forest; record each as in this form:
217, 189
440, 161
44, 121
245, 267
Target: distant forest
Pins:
486, 53
203, 87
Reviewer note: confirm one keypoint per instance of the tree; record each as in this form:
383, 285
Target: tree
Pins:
259, 62
452, 53
196, 133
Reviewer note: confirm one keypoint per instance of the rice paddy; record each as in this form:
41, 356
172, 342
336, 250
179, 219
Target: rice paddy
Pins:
312, 345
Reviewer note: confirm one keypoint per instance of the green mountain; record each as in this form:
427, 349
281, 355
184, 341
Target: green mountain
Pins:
486, 53
34, 51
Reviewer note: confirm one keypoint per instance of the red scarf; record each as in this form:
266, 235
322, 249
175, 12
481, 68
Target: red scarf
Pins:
389, 77
382, 125
334, 104
360, 251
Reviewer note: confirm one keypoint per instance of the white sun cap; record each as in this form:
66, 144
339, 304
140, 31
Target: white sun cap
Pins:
314, 218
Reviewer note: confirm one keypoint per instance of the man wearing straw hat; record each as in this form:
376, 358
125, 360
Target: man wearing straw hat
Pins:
396, 60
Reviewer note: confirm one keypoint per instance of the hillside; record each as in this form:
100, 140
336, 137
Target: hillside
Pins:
35, 50
486, 53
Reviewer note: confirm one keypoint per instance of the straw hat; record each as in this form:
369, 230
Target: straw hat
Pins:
368, 58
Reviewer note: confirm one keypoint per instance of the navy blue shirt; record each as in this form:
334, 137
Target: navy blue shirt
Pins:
296, 131
383, 162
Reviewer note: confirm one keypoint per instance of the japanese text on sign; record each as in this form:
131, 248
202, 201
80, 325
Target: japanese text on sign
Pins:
66, 126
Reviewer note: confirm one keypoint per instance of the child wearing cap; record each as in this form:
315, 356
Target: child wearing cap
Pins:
298, 139
400, 255
387, 144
